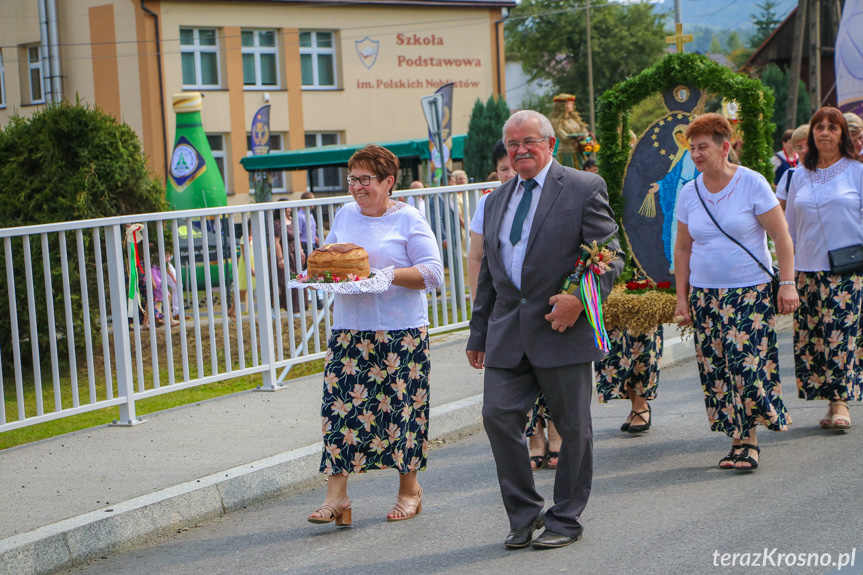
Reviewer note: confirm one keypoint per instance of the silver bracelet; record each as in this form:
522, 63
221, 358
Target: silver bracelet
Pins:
787, 283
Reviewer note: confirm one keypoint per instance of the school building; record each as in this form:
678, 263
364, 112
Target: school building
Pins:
333, 71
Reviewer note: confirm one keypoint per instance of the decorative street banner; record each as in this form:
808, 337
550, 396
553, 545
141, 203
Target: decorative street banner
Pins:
446, 133
849, 58
194, 180
261, 131
658, 169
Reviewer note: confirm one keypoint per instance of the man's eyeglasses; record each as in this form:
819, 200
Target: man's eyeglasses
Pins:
364, 180
529, 143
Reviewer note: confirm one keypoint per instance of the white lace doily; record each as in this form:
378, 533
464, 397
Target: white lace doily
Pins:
376, 284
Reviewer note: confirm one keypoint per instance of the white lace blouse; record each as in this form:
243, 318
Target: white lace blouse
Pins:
825, 212
401, 238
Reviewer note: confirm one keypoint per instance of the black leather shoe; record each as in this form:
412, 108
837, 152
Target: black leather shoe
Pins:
552, 540
520, 538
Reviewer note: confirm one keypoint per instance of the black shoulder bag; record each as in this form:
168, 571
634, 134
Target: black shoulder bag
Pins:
774, 274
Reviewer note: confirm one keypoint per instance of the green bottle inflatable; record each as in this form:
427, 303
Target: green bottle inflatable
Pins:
194, 180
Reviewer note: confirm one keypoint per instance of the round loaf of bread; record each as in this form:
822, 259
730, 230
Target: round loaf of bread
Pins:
339, 260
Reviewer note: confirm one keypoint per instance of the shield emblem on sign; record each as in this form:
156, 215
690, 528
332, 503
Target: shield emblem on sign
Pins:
367, 50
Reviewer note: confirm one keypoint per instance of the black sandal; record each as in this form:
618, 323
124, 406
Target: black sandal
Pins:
538, 461
550, 455
744, 457
628, 422
641, 427
730, 458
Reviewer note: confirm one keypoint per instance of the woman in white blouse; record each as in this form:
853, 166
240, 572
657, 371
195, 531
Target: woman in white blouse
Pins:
376, 395
726, 294
825, 212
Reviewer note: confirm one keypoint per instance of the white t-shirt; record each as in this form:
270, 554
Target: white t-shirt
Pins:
401, 238
479, 215
783, 185
716, 261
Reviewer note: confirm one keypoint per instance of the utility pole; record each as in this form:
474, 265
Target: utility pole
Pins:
590, 73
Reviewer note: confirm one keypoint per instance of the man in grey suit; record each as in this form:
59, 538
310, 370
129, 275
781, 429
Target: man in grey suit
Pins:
528, 337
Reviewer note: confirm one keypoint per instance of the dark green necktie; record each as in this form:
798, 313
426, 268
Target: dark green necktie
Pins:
521, 211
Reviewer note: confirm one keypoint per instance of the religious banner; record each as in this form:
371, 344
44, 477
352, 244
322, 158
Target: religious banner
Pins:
849, 58
659, 167
261, 131
194, 180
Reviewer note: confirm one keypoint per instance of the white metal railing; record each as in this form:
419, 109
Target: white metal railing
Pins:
95, 356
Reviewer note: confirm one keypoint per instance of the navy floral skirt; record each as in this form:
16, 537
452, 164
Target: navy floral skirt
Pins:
738, 360
632, 363
376, 401
827, 336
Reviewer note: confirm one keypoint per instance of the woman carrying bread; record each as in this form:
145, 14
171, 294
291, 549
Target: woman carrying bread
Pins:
825, 215
725, 293
375, 406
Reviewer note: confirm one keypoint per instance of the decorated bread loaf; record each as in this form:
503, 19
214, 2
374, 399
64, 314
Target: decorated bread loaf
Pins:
340, 260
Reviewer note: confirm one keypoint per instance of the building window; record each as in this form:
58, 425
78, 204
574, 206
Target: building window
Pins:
277, 179
324, 179
217, 146
199, 51
2, 82
34, 69
318, 59
260, 62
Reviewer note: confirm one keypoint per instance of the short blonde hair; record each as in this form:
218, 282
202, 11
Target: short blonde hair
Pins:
800, 134
855, 124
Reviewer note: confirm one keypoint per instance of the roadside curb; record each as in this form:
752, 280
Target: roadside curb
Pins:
80, 539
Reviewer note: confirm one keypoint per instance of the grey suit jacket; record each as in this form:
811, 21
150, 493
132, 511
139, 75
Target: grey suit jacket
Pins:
508, 323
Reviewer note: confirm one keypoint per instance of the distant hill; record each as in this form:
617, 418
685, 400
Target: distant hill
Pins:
722, 14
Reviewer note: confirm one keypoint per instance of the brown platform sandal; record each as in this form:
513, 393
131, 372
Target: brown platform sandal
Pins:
407, 510
342, 516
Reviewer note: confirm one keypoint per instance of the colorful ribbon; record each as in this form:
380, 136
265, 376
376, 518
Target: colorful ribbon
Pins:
134, 235
590, 297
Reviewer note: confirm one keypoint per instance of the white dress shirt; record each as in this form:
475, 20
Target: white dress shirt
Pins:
513, 255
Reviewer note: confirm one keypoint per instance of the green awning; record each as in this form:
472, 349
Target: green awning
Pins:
340, 154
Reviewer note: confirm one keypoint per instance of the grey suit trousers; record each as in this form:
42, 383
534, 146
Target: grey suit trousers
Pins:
508, 396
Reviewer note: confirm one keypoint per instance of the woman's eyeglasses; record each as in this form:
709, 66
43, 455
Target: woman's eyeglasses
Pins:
364, 180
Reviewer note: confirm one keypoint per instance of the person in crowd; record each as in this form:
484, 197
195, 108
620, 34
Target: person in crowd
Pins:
824, 213
162, 296
492, 177
311, 229
281, 272
415, 201
785, 158
725, 292
631, 371
798, 143
590, 166
375, 408
504, 171
855, 128
242, 277
530, 339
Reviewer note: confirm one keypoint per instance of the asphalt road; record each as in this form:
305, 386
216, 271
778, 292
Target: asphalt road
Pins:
659, 506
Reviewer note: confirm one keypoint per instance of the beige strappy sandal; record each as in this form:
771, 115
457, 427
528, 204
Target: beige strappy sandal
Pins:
407, 509
341, 515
